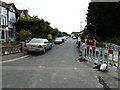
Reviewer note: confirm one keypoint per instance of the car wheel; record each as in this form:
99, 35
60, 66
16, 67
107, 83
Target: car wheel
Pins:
28, 52
50, 46
44, 51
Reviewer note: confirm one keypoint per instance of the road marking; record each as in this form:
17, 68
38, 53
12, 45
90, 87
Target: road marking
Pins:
41, 67
53, 75
75, 68
65, 78
41, 79
15, 59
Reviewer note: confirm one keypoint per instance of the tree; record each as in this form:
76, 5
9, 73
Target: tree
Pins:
50, 37
25, 35
39, 27
55, 33
65, 34
105, 16
76, 35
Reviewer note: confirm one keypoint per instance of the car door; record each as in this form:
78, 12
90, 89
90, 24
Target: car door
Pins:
46, 42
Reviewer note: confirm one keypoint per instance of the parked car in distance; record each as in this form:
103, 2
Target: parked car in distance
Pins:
38, 45
58, 41
63, 39
73, 37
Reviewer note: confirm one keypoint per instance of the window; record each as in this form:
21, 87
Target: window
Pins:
35, 41
4, 11
12, 17
11, 33
0, 10
0, 22
3, 22
0, 34
12, 9
3, 35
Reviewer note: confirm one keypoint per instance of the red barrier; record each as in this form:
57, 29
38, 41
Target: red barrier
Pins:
110, 51
88, 47
93, 48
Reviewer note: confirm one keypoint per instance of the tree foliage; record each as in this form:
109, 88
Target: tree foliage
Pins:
39, 28
55, 33
50, 37
76, 35
65, 34
25, 35
105, 16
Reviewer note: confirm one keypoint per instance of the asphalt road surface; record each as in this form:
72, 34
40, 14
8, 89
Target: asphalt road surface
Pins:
57, 68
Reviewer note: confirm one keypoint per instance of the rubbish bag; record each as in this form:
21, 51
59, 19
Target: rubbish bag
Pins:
103, 67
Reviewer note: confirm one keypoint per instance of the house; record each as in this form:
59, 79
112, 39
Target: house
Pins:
3, 22
23, 13
8, 16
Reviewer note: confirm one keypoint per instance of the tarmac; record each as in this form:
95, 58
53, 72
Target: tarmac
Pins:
109, 76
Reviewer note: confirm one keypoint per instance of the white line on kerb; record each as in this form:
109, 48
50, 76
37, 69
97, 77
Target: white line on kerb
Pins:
15, 59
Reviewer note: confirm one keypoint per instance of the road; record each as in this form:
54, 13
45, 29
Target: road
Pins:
57, 68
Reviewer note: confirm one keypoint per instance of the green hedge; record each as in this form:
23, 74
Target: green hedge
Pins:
115, 40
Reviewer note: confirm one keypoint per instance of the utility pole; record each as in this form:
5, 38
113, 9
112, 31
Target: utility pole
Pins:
80, 25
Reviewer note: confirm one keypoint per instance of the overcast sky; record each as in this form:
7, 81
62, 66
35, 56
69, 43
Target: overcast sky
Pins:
65, 15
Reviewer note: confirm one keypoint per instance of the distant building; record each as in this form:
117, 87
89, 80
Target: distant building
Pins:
73, 33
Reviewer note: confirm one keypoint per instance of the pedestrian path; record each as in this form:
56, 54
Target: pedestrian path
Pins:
13, 56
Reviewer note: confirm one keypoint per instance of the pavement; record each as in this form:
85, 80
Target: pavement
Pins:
13, 56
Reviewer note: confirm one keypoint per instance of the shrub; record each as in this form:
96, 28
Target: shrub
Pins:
15, 43
115, 40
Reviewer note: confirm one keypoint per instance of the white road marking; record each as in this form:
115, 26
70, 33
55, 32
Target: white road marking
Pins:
75, 68
41, 80
41, 66
65, 78
15, 59
53, 75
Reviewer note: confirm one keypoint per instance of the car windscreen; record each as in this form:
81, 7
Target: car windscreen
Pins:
58, 38
36, 41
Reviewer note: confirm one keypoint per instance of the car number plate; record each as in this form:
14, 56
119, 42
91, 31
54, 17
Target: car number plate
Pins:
32, 46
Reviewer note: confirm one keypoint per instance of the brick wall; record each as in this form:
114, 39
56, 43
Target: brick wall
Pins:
11, 50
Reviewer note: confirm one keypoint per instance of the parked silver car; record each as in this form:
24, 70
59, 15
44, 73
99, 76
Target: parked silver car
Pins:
38, 45
58, 40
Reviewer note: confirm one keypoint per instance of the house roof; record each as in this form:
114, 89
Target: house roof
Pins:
24, 11
7, 5
75, 32
20, 11
29, 16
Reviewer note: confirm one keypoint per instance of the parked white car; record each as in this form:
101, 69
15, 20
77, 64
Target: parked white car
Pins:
38, 45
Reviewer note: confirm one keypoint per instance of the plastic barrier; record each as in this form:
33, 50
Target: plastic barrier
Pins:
99, 56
